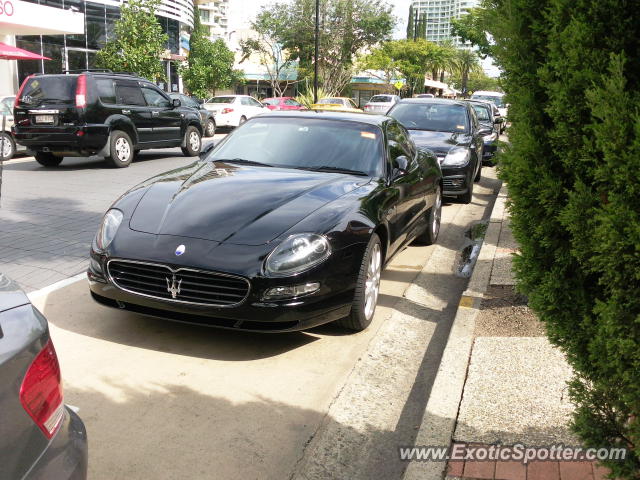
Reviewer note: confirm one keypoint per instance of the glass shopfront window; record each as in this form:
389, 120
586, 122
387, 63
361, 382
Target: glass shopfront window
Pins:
96, 28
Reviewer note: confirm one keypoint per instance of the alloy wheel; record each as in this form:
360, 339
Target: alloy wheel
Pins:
194, 141
123, 149
372, 285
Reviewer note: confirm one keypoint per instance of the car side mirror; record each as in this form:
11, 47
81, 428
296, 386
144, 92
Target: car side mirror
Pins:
498, 120
400, 167
485, 131
176, 102
204, 151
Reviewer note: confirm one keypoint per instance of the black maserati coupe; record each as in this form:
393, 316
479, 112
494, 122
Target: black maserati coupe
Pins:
284, 225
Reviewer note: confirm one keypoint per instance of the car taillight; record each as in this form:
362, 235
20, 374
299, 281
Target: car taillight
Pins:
81, 91
227, 110
41, 391
19, 94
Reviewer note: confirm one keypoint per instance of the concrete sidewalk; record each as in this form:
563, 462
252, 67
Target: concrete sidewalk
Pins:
505, 383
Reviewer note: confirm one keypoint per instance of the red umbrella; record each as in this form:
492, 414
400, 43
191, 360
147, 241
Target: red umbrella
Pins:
7, 52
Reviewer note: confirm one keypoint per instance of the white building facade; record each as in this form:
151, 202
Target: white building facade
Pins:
437, 15
215, 16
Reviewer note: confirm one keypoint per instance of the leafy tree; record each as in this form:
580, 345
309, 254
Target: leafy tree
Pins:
472, 28
346, 27
139, 42
465, 62
209, 64
411, 24
477, 80
410, 59
266, 46
572, 77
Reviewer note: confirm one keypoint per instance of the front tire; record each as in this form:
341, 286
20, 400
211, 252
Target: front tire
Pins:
479, 174
467, 197
430, 235
367, 288
192, 141
8, 147
121, 151
210, 129
47, 159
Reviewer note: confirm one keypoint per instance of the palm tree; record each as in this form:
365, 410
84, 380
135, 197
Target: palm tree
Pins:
466, 62
444, 60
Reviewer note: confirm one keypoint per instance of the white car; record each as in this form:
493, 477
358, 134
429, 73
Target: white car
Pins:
380, 103
497, 98
9, 146
234, 110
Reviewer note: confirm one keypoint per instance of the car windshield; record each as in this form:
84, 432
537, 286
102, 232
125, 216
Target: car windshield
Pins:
431, 116
221, 100
482, 112
381, 99
495, 99
305, 143
326, 101
49, 89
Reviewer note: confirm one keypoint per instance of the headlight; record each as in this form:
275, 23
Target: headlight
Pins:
297, 254
457, 157
490, 138
108, 229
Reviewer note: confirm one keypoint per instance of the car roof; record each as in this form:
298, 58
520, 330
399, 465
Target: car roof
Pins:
422, 101
489, 93
330, 115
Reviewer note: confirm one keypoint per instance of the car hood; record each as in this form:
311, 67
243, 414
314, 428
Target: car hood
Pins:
231, 203
438, 142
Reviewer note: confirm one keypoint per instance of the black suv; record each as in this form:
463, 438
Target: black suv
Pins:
102, 113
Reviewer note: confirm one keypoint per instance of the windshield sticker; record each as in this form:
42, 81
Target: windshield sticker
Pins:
460, 127
303, 129
370, 135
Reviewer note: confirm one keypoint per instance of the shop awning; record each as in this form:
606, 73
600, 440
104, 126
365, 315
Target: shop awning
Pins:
8, 52
435, 84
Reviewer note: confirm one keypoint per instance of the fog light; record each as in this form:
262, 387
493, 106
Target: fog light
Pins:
95, 265
291, 291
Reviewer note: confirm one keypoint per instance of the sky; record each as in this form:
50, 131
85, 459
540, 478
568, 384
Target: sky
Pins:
243, 11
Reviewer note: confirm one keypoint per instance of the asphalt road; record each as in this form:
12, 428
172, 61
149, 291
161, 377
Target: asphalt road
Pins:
48, 216
163, 400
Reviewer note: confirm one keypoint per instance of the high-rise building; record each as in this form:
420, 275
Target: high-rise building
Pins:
433, 18
214, 15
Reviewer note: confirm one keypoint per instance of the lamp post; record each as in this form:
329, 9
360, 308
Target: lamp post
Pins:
315, 56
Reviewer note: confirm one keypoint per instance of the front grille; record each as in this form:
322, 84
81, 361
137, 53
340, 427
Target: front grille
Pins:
183, 285
453, 183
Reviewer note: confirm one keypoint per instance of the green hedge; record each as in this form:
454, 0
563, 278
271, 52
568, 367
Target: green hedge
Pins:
572, 77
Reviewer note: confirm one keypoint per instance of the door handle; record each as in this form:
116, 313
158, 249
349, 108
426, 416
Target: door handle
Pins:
155, 114
126, 112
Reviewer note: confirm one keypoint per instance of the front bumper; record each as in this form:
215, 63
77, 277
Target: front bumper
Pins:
456, 181
337, 277
490, 148
66, 455
67, 140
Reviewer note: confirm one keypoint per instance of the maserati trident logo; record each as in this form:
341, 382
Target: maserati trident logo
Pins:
172, 287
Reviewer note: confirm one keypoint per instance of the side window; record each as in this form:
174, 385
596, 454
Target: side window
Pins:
129, 93
254, 103
399, 143
245, 101
352, 104
291, 102
154, 98
106, 90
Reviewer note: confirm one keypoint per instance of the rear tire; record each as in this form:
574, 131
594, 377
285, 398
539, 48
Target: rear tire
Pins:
192, 141
8, 147
121, 151
210, 129
430, 235
367, 288
47, 159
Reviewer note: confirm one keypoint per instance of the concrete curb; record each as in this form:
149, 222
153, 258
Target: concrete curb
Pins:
446, 393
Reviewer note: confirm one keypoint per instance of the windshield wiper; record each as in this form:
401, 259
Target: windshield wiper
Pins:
242, 161
328, 168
